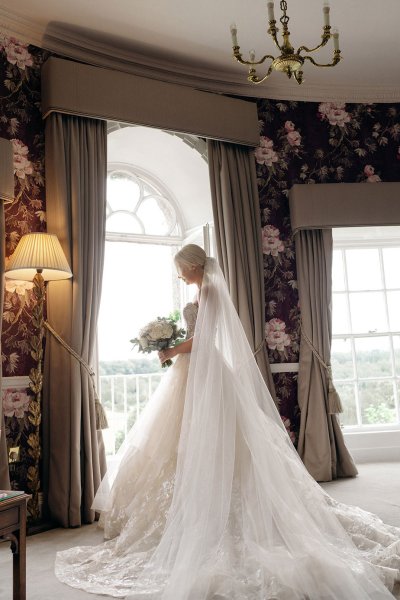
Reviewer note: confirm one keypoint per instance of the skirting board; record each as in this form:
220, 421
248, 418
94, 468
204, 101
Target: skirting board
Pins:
374, 446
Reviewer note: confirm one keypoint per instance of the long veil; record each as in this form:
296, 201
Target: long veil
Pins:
246, 520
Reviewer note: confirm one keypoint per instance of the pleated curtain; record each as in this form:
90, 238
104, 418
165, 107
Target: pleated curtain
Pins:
237, 224
76, 173
321, 444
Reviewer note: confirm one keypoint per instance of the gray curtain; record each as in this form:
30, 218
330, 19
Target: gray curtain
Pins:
321, 444
4, 472
76, 172
237, 226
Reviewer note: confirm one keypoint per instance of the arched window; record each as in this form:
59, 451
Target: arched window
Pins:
158, 199
138, 207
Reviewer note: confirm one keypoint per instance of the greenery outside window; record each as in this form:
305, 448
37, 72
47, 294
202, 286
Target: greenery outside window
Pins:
366, 328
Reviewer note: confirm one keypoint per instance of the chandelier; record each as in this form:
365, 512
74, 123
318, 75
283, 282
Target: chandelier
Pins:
289, 61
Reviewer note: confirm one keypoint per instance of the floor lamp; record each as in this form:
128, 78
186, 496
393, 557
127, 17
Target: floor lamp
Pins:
38, 258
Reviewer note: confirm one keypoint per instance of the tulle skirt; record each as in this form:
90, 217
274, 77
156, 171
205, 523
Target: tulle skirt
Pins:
267, 549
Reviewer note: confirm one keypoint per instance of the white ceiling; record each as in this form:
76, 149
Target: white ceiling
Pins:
189, 41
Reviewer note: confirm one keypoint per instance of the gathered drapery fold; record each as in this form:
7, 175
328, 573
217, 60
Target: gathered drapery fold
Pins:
321, 444
76, 175
237, 226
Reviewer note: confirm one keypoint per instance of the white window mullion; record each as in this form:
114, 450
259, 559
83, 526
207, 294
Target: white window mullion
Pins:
352, 344
392, 359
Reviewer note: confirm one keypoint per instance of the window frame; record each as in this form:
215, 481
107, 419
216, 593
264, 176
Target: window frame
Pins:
143, 238
378, 243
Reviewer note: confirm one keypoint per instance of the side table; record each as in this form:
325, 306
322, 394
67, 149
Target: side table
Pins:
13, 528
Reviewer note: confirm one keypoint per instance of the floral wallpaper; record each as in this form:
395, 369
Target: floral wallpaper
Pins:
300, 142
20, 122
310, 142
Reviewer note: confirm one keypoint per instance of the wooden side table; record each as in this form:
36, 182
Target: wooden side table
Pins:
13, 528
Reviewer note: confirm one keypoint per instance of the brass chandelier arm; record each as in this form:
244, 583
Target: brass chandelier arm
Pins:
255, 79
238, 56
273, 30
335, 61
326, 36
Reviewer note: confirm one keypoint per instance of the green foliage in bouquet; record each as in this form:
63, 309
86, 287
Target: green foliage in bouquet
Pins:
159, 334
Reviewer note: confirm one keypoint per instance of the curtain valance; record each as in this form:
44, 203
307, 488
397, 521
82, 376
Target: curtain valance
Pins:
327, 205
78, 89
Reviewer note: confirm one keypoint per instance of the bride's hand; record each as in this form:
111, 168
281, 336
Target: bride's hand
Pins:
166, 354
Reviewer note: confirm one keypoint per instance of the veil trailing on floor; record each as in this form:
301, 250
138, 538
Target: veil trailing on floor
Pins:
246, 519
211, 500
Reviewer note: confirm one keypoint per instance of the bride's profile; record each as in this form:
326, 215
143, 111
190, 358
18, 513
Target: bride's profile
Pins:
210, 500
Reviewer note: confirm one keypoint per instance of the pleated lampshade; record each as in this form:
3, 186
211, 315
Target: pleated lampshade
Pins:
38, 252
6, 171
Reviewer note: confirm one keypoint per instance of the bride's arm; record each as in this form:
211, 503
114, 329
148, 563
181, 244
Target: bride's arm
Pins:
182, 348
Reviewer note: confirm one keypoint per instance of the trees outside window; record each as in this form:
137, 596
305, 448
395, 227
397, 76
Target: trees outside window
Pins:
366, 326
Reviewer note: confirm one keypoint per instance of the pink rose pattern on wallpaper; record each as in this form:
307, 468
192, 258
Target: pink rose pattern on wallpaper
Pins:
15, 403
310, 142
22, 124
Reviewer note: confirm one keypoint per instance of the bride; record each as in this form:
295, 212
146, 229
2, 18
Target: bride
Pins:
211, 500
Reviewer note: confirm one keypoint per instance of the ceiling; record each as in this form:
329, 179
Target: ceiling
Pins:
189, 42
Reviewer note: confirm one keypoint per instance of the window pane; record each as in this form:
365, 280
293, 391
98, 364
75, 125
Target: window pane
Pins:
341, 359
393, 299
373, 357
122, 222
122, 192
338, 283
368, 314
391, 262
138, 285
363, 269
340, 316
377, 402
157, 215
396, 348
348, 398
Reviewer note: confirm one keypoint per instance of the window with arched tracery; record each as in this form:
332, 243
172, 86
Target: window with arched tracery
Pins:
137, 205
158, 199
143, 232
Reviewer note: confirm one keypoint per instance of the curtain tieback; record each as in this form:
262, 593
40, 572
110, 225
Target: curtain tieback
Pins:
101, 417
334, 403
259, 347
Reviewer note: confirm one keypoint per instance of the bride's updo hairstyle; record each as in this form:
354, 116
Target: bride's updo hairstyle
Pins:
191, 256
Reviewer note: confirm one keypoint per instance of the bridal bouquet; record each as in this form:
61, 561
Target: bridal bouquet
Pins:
160, 334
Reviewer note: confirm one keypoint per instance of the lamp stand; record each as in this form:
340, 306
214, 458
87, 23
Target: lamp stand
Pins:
36, 385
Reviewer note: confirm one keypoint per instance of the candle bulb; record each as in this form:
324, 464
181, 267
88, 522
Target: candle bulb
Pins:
271, 16
252, 55
234, 34
326, 10
335, 34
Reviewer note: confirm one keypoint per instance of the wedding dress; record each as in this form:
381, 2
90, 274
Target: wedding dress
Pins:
211, 500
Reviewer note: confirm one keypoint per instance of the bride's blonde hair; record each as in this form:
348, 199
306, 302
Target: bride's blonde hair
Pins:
191, 255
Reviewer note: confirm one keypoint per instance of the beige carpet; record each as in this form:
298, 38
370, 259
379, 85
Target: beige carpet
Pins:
376, 489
